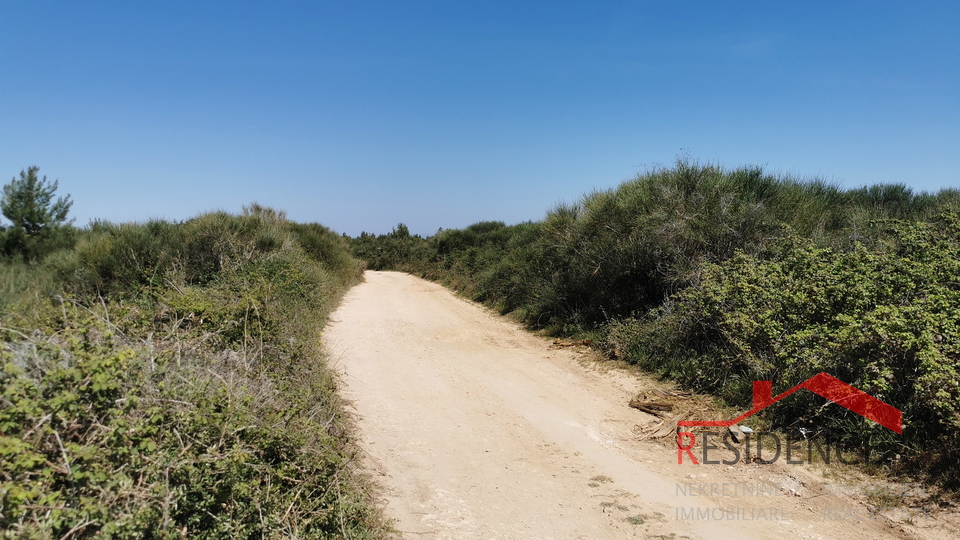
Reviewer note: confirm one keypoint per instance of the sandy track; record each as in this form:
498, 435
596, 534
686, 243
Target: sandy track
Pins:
477, 429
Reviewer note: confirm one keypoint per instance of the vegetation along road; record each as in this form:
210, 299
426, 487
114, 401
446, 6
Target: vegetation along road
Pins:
475, 428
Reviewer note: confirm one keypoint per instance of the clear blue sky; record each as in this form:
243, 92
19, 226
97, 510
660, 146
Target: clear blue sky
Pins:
440, 114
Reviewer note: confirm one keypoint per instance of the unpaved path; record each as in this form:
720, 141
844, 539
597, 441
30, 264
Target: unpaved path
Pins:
478, 429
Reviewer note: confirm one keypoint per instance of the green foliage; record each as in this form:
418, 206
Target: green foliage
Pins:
720, 277
883, 317
120, 259
388, 251
23, 285
39, 224
621, 252
321, 245
176, 387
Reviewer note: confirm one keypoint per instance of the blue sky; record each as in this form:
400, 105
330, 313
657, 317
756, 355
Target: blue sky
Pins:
360, 115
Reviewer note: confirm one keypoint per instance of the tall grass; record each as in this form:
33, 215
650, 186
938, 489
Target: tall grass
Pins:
22, 285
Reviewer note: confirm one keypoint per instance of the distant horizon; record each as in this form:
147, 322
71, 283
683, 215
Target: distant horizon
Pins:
436, 115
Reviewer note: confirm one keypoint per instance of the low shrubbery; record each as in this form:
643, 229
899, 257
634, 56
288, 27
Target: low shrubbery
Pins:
166, 380
883, 317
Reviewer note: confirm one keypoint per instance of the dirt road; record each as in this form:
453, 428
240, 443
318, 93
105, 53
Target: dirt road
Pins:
478, 429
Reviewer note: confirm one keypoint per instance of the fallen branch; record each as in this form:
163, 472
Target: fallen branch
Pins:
651, 407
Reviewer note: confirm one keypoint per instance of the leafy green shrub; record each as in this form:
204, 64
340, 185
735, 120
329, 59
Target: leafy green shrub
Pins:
883, 317
113, 259
321, 245
389, 251
618, 253
177, 387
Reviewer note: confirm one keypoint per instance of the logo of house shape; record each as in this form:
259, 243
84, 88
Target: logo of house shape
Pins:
824, 385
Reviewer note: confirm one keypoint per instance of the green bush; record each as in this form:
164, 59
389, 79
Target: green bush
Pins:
388, 251
883, 317
175, 386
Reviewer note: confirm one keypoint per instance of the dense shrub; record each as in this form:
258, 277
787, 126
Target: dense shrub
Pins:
883, 317
389, 251
621, 252
175, 386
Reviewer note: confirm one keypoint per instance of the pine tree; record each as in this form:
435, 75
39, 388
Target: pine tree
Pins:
39, 224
